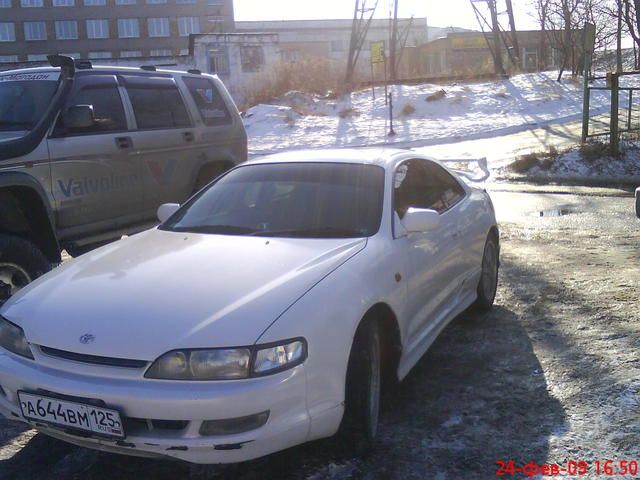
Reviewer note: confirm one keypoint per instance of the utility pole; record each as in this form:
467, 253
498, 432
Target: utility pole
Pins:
495, 28
362, 18
393, 48
514, 33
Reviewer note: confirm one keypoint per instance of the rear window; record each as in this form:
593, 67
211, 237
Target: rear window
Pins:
208, 100
157, 104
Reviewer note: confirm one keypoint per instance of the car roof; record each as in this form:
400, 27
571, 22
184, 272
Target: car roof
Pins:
384, 157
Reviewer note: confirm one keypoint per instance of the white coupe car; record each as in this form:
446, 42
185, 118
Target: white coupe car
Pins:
261, 314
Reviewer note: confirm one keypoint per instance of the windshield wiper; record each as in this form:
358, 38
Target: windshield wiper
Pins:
319, 232
213, 229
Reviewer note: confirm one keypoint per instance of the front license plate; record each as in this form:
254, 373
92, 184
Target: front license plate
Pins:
100, 421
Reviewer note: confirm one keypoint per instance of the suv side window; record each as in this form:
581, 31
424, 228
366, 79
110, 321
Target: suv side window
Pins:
208, 100
109, 114
157, 103
424, 184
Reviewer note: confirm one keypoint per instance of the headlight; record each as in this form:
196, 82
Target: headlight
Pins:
12, 338
228, 364
273, 359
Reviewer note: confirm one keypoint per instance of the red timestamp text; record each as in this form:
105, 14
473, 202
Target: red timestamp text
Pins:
578, 468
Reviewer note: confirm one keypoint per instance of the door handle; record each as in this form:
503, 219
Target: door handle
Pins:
188, 136
124, 142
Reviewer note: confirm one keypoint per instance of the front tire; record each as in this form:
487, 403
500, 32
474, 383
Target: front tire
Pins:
21, 262
362, 396
638, 202
488, 285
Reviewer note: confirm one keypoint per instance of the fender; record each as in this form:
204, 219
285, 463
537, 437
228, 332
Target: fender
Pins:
47, 241
27, 144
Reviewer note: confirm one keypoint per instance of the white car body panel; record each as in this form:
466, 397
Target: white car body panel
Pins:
159, 291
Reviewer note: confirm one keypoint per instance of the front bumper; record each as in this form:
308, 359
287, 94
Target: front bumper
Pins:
182, 404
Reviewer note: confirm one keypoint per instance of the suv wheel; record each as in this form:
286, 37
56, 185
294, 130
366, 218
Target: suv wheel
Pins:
488, 284
20, 263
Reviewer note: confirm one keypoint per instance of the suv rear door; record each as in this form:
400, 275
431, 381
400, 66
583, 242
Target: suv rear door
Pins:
164, 137
95, 182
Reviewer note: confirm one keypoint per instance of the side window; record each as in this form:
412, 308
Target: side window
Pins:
423, 184
452, 191
157, 105
107, 109
208, 100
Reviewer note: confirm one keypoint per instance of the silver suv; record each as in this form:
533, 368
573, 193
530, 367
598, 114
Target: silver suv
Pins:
88, 153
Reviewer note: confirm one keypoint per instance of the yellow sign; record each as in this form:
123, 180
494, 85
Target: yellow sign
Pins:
377, 52
469, 42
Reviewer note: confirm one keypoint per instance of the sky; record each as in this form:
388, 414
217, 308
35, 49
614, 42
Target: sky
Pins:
439, 13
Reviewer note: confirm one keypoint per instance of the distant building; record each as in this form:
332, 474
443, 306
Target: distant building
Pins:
103, 29
468, 53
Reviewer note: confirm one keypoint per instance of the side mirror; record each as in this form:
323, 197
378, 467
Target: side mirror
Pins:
79, 116
166, 210
421, 220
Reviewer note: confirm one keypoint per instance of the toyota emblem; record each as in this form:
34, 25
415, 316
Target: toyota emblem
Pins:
87, 338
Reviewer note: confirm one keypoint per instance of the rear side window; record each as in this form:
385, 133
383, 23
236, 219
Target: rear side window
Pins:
103, 95
157, 104
208, 100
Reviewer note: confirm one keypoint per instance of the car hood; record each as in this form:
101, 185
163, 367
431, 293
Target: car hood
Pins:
158, 291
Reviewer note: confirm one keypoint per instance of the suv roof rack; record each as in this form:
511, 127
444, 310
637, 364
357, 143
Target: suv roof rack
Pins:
83, 64
148, 68
194, 71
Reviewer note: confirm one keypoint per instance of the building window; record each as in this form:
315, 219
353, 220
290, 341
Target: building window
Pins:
7, 32
35, 31
186, 1
30, 3
188, 25
100, 55
163, 52
155, 2
219, 61
67, 30
216, 19
252, 58
37, 57
75, 56
5, 3
97, 29
158, 27
95, 3
63, 3
126, 2
130, 53
337, 46
184, 51
215, 2
128, 28
8, 58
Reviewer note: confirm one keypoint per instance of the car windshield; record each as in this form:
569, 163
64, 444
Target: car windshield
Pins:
298, 200
24, 98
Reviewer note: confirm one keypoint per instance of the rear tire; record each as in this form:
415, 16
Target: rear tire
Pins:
21, 262
362, 396
488, 285
207, 174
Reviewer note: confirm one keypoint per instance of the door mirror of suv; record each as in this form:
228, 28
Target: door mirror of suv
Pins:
166, 210
421, 220
79, 116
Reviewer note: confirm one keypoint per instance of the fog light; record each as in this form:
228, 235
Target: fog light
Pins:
233, 426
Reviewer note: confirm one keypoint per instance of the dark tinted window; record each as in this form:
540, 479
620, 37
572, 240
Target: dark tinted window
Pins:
158, 106
305, 200
208, 100
107, 109
424, 184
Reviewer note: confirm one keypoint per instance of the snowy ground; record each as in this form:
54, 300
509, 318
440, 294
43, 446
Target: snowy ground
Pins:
465, 112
